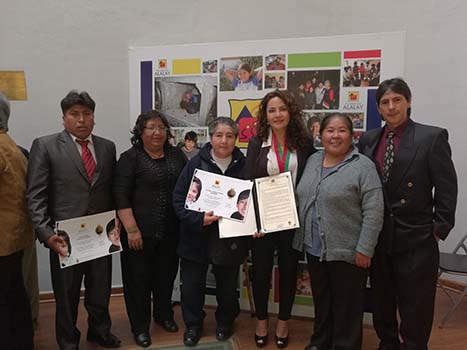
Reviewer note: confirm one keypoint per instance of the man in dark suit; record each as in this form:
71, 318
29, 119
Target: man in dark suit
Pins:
70, 175
420, 185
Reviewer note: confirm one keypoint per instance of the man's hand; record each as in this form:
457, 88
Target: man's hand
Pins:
209, 218
362, 260
258, 234
58, 245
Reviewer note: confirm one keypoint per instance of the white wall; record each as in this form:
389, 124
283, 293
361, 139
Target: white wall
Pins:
63, 45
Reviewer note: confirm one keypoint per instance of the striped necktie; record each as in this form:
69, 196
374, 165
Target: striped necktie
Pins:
388, 155
88, 159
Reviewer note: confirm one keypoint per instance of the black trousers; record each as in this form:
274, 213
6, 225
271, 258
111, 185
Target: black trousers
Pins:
263, 257
67, 286
193, 277
146, 272
15, 313
405, 281
338, 294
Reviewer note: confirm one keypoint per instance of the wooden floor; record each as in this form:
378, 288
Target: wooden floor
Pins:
452, 337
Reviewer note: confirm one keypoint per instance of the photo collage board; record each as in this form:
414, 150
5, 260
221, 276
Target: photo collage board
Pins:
195, 83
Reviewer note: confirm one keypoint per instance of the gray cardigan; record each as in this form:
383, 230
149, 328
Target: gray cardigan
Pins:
349, 203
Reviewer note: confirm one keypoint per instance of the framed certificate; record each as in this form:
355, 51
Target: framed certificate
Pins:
88, 237
277, 208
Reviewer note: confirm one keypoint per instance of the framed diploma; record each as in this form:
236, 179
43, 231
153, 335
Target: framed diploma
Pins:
277, 208
225, 196
87, 238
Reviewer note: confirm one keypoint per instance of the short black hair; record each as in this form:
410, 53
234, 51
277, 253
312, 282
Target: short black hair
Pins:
243, 195
397, 85
77, 98
110, 226
192, 136
312, 120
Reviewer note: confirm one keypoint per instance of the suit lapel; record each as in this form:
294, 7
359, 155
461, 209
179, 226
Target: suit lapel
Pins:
73, 152
403, 158
370, 146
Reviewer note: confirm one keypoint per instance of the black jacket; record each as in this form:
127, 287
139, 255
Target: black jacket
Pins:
257, 158
146, 185
201, 243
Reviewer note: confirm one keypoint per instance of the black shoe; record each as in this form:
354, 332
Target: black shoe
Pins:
223, 333
143, 340
387, 345
169, 325
311, 347
106, 341
261, 341
191, 336
282, 343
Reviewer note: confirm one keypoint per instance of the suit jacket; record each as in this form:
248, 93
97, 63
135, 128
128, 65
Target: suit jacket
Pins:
58, 188
413, 211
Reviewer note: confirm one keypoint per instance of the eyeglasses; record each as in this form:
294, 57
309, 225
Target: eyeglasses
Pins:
160, 129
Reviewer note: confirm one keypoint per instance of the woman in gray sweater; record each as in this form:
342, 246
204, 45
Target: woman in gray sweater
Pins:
341, 214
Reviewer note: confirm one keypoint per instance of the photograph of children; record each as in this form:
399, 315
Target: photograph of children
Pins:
241, 73
113, 234
210, 66
315, 89
242, 205
186, 101
275, 62
190, 139
356, 136
313, 122
358, 120
190, 147
303, 280
303, 295
362, 72
274, 81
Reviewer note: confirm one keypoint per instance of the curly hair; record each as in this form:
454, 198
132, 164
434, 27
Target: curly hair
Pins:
296, 131
141, 121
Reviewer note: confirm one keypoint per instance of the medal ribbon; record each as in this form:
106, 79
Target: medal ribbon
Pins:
282, 156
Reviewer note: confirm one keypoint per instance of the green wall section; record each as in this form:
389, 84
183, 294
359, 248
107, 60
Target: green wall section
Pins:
313, 60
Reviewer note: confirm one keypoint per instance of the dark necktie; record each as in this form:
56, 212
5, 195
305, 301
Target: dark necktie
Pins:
388, 155
88, 159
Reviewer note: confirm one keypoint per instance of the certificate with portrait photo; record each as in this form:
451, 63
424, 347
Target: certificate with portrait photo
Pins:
226, 196
88, 237
277, 208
